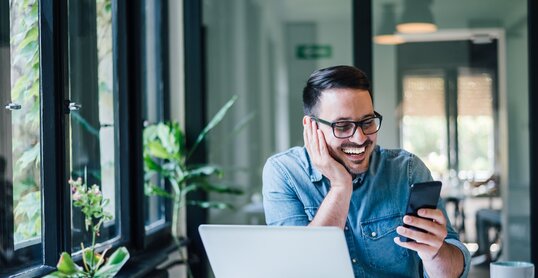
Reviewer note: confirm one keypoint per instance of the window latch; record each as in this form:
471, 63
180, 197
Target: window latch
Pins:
13, 106
73, 106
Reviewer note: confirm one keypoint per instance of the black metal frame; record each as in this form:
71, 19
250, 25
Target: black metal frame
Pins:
533, 124
195, 109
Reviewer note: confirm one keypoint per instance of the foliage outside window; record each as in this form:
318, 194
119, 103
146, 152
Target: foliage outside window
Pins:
26, 144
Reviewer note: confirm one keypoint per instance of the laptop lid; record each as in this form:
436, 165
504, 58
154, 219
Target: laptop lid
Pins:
237, 251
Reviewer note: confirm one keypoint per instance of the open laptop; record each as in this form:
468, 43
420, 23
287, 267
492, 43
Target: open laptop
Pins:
237, 251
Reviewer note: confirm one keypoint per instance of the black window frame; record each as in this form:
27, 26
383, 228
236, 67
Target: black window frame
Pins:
147, 250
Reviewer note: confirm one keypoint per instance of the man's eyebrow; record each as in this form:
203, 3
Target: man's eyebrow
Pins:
367, 116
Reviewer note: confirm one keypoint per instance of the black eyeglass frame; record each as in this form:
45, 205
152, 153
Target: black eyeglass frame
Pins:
355, 123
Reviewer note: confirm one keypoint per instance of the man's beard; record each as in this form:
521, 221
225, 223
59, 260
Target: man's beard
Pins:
350, 145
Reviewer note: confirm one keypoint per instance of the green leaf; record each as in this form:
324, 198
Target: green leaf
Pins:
216, 119
151, 165
153, 190
31, 36
203, 170
114, 263
156, 149
67, 266
29, 156
90, 257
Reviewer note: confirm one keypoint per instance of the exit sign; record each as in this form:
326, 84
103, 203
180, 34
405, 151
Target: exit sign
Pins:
313, 51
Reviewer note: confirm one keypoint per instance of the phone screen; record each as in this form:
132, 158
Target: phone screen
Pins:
422, 195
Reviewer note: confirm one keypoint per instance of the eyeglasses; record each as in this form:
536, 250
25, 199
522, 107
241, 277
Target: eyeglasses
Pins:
346, 129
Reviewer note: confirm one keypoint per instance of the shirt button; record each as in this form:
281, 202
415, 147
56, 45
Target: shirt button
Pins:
374, 234
346, 228
354, 260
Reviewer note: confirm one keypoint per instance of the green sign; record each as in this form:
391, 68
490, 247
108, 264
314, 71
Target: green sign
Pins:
313, 51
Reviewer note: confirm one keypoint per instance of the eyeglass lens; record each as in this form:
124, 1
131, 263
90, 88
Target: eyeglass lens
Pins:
347, 129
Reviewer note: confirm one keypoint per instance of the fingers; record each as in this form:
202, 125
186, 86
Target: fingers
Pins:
419, 247
434, 214
434, 228
313, 141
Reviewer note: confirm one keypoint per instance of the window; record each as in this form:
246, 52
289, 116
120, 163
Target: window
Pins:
92, 130
69, 111
20, 158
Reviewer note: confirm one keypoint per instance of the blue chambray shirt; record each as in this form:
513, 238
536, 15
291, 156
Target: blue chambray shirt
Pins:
293, 191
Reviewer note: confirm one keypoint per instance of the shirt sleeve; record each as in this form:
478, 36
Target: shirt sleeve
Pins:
280, 200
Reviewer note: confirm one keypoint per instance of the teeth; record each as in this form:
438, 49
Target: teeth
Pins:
353, 150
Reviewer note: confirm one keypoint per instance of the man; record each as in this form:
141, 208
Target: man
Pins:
341, 178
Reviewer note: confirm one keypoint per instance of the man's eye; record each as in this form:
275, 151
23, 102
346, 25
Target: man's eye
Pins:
367, 123
343, 126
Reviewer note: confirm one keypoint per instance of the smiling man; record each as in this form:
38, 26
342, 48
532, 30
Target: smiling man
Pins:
342, 178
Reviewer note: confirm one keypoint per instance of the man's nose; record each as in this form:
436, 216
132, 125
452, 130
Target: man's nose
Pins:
359, 137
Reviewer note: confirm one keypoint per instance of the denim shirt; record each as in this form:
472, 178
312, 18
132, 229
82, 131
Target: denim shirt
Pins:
293, 190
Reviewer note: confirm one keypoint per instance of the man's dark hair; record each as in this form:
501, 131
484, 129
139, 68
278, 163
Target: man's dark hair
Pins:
337, 77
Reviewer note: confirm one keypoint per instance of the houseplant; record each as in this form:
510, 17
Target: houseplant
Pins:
91, 202
166, 156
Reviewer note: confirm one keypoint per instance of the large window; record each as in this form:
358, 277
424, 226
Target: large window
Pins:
71, 108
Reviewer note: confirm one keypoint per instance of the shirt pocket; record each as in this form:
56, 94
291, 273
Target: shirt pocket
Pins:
381, 251
310, 212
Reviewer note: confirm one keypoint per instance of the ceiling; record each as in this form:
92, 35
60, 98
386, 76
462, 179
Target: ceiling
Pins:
448, 14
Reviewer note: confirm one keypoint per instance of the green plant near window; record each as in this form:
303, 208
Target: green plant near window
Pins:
166, 155
91, 202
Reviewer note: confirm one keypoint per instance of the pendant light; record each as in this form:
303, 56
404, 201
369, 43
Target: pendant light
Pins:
417, 17
387, 30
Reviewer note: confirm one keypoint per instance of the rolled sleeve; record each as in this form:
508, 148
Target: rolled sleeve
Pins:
281, 204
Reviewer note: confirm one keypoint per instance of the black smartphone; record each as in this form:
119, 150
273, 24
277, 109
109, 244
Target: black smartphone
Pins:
422, 195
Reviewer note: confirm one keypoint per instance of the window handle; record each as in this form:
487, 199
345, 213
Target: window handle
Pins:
13, 106
73, 106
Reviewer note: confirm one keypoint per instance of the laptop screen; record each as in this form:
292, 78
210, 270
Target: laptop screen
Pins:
236, 251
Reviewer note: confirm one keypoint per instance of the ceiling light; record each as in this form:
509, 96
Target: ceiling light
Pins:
417, 17
387, 31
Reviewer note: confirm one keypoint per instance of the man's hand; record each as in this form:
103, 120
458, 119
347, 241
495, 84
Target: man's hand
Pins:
440, 258
321, 158
334, 208
428, 243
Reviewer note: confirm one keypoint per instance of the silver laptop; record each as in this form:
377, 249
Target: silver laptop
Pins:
237, 251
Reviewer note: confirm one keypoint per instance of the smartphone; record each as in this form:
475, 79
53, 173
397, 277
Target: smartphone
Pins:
422, 195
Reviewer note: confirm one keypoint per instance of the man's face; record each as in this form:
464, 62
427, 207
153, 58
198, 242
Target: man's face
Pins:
351, 105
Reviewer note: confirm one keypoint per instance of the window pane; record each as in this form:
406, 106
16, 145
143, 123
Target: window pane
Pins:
475, 124
152, 98
20, 180
424, 121
92, 135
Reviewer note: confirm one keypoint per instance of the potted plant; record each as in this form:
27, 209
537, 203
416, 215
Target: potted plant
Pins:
91, 202
166, 155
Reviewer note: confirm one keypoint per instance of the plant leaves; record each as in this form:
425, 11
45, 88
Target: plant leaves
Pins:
67, 266
114, 263
203, 170
154, 190
156, 149
214, 121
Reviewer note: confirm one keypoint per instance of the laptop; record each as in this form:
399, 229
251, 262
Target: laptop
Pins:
237, 251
